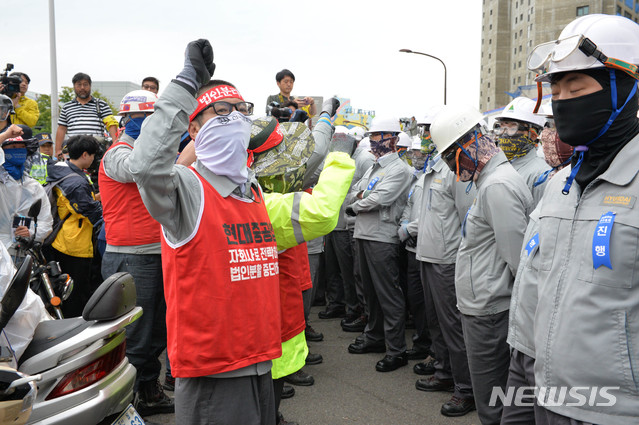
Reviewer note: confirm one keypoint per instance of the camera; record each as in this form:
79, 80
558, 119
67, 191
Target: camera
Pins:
285, 113
11, 82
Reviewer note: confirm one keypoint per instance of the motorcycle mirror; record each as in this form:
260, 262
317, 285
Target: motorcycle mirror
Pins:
15, 292
34, 211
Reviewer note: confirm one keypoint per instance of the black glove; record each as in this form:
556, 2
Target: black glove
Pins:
411, 242
350, 212
330, 106
198, 64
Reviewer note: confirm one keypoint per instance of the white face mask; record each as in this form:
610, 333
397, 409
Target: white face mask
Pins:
221, 145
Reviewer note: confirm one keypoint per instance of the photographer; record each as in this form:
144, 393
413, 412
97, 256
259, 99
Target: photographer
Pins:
285, 81
289, 112
26, 110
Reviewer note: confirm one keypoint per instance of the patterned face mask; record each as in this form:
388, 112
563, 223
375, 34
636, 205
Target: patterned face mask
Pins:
483, 150
516, 146
556, 152
383, 146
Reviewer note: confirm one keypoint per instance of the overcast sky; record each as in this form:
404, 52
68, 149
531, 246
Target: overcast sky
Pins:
349, 48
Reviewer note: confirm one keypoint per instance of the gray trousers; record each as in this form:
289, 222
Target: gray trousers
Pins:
488, 360
308, 295
522, 374
551, 418
416, 305
340, 281
225, 401
446, 328
359, 286
387, 309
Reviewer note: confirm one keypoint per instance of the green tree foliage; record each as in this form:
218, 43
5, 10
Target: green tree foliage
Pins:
66, 95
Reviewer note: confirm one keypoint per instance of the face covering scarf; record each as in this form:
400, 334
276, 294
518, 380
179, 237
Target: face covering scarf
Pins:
556, 153
221, 144
598, 125
133, 127
516, 146
483, 150
14, 160
383, 146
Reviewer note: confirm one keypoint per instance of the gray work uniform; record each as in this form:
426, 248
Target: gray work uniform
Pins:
487, 261
530, 167
384, 189
363, 161
414, 289
523, 304
443, 206
315, 253
587, 319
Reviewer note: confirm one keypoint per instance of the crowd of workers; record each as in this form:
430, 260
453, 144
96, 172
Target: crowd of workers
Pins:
511, 249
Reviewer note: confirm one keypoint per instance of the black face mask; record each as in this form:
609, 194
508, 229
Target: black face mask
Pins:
580, 120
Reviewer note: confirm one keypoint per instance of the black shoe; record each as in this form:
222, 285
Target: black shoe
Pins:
312, 335
458, 406
427, 367
312, 359
151, 400
357, 325
390, 363
349, 318
366, 347
169, 383
360, 339
281, 421
417, 354
300, 378
433, 384
332, 313
287, 392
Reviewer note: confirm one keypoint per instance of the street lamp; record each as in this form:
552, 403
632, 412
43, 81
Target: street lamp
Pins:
434, 57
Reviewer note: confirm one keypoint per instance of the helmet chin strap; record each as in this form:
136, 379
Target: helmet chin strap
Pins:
581, 149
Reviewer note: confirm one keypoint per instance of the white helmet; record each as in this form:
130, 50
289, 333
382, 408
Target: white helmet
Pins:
521, 109
384, 125
404, 140
138, 101
357, 132
452, 123
341, 129
430, 115
365, 144
614, 36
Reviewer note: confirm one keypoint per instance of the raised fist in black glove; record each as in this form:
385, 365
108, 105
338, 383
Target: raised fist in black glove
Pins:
350, 211
198, 64
330, 106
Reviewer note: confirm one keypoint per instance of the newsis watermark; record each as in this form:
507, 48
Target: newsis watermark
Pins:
554, 396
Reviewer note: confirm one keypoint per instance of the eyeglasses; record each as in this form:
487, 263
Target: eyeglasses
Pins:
509, 130
149, 87
559, 50
225, 108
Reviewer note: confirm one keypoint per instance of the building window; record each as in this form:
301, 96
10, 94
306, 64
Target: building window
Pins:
520, 47
515, 52
583, 10
489, 55
519, 79
619, 10
515, 36
489, 84
521, 17
629, 3
491, 12
521, 32
513, 81
515, 19
490, 41
489, 70
519, 65
627, 15
490, 27
488, 99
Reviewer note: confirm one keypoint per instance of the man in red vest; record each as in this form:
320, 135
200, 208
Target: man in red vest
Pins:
133, 246
219, 255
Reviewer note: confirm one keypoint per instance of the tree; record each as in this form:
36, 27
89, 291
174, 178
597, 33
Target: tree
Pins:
66, 95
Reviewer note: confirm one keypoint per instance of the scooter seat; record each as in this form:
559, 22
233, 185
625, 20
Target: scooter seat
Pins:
52, 332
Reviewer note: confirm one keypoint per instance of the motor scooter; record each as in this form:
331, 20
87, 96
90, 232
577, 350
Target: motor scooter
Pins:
86, 376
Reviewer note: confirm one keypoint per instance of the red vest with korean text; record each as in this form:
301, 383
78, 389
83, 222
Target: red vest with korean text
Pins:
126, 220
307, 281
222, 289
292, 274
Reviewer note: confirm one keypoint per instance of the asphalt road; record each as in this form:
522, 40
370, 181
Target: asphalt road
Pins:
349, 391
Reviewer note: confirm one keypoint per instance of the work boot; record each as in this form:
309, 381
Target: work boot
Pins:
151, 400
169, 383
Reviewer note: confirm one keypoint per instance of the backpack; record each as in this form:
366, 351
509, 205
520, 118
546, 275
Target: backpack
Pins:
53, 200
